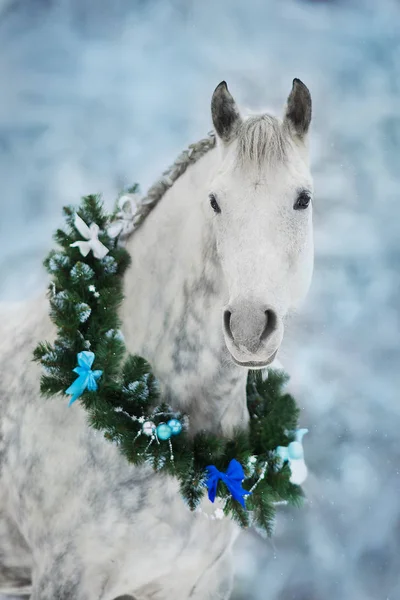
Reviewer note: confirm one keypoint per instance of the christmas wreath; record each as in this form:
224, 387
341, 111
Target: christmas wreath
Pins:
250, 471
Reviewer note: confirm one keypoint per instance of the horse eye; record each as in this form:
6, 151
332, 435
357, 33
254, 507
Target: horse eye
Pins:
214, 204
303, 200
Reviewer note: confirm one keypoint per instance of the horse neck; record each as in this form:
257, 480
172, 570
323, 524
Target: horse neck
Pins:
174, 294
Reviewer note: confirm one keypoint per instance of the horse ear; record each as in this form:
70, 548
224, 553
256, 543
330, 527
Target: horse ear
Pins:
225, 114
298, 109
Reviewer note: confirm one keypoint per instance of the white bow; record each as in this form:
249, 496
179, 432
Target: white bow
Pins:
127, 217
91, 234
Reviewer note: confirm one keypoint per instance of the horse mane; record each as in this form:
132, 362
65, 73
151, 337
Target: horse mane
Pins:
186, 158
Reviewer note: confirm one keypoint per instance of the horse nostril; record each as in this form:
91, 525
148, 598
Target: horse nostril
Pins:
270, 324
227, 323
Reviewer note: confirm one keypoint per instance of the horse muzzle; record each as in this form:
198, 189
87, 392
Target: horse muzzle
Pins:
253, 333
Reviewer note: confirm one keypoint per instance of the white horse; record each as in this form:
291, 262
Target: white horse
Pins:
216, 268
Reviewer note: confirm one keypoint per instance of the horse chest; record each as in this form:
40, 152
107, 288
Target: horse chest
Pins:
68, 487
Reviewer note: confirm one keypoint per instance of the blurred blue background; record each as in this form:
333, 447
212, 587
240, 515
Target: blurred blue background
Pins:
97, 94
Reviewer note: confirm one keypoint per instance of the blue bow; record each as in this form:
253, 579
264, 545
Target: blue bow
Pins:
87, 378
232, 478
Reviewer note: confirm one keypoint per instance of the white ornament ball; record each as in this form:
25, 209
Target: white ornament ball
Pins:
148, 428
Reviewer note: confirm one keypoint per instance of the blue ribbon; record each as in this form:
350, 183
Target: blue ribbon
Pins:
87, 378
232, 478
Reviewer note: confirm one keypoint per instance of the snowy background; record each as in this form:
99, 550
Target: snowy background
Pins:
97, 94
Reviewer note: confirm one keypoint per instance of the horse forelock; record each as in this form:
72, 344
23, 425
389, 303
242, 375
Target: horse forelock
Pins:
261, 140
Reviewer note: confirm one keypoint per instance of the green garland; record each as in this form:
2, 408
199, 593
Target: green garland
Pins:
85, 294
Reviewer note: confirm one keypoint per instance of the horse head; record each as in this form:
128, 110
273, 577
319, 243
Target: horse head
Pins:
261, 207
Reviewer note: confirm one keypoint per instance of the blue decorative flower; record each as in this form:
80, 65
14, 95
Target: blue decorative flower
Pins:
87, 378
232, 478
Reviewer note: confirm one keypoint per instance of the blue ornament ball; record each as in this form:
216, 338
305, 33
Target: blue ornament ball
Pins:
295, 450
176, 426
164, 431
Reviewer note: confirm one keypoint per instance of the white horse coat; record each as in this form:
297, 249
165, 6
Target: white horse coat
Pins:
216, 268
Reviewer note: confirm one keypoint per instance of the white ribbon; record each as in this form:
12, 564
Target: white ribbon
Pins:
127, 217
91, 235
